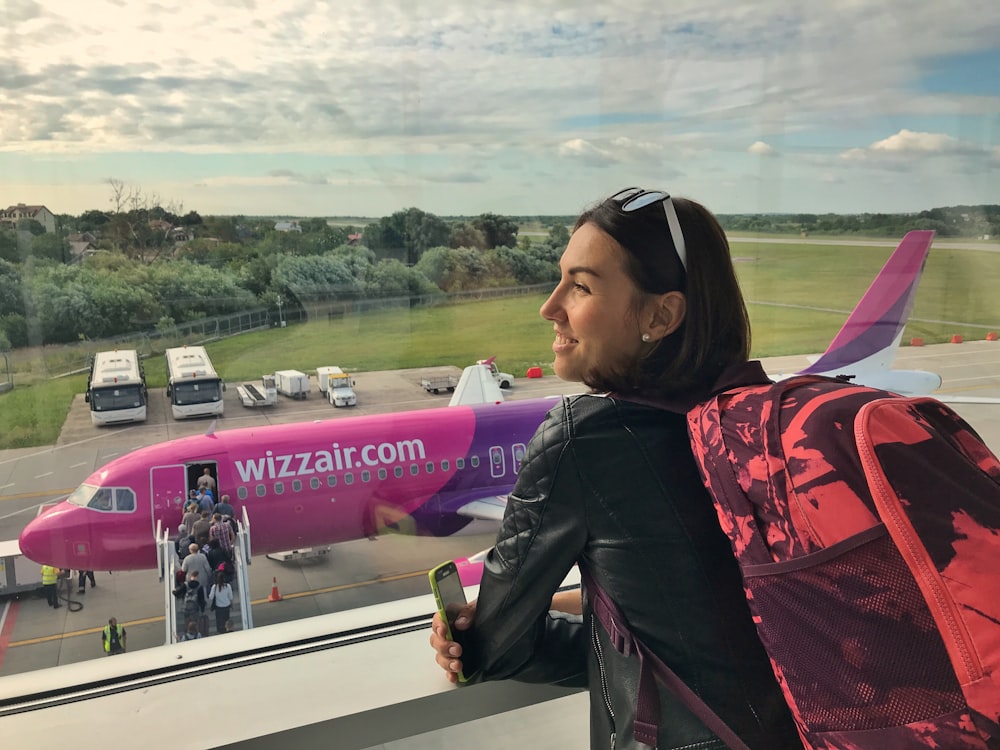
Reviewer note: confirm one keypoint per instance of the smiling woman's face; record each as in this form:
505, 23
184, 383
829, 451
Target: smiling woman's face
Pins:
593, 309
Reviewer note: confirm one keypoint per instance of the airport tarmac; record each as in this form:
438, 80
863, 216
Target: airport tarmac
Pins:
34, 636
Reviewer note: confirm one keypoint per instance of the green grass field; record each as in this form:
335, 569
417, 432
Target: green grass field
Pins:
810, 289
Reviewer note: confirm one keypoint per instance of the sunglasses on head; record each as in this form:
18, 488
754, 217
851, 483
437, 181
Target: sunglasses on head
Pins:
632, 199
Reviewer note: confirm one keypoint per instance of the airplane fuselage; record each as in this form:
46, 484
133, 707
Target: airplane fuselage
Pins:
302, 485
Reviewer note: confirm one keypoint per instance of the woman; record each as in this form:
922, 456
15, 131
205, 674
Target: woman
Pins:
649, 315
221, 597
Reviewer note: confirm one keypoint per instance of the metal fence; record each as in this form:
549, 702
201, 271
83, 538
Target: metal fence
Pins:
57, 360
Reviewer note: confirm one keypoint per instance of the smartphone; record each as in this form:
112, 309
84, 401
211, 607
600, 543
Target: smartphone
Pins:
449, 594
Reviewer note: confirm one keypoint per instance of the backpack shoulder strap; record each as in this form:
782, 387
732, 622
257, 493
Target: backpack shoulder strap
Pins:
651, 670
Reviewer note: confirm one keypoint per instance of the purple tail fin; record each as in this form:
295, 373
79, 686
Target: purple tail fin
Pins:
875, 326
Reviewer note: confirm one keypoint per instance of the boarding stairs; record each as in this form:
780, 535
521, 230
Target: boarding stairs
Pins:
240, 614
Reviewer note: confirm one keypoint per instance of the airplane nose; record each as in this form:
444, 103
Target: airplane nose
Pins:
35, 544
46, 539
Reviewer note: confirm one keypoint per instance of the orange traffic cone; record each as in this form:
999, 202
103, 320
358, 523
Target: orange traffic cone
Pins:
275, 596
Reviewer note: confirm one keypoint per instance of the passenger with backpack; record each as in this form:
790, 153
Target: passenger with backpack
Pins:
193, 601
865, 525
649, 315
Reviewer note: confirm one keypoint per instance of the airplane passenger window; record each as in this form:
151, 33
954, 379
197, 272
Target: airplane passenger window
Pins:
279, 488
296, 485
414, 470
397, 471
474, 461
459, 463
261, 490
242, 493
348, 478
331, 480
382, 474
366, 475
314, 483
444, 464
429, 467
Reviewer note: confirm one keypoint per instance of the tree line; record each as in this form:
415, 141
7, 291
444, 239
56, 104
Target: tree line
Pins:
141, 278
953, 221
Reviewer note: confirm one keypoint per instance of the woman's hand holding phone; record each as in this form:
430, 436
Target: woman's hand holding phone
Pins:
448, 652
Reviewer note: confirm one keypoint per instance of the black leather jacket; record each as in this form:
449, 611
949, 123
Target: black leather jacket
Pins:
613, 484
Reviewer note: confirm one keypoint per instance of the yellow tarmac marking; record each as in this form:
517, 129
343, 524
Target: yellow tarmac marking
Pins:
26, 495
151, 620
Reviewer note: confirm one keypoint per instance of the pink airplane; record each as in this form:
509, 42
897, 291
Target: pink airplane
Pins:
421, 472
302, 485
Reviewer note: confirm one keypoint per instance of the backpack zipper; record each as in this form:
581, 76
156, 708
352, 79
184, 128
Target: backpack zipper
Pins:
604, 677
939, 601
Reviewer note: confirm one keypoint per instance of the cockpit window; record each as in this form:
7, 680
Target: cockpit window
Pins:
81, 495
124, 500
105, 499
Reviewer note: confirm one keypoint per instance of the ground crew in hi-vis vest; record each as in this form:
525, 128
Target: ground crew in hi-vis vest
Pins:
50, 577
114, 638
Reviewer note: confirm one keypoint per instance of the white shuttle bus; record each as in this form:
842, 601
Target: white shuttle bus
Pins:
193, 386
117, 388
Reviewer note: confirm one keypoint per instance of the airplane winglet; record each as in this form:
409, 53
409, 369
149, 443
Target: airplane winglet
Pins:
476, 386
211, 428
875, 326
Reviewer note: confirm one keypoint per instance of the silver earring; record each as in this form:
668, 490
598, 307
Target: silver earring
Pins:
646, 338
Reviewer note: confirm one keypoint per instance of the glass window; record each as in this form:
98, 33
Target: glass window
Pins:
202, 195
124, 500
102, 499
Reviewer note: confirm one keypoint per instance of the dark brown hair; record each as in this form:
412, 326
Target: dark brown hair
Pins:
715, 333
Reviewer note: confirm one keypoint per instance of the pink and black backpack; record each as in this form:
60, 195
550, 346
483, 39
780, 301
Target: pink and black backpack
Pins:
867, 527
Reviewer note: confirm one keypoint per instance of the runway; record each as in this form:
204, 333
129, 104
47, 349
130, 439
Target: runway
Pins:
33, 636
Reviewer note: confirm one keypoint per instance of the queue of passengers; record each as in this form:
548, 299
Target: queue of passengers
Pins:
205, 540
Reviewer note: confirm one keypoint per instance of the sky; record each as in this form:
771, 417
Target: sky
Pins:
288, 107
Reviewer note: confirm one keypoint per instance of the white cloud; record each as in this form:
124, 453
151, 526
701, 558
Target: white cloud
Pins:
759, 148
588, 153
909, 142
505, 95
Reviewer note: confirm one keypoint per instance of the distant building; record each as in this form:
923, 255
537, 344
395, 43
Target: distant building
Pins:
79, 249
287, 226
9, 217
354, 239
159, 225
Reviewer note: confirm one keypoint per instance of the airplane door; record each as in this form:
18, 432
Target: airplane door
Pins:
167, 490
